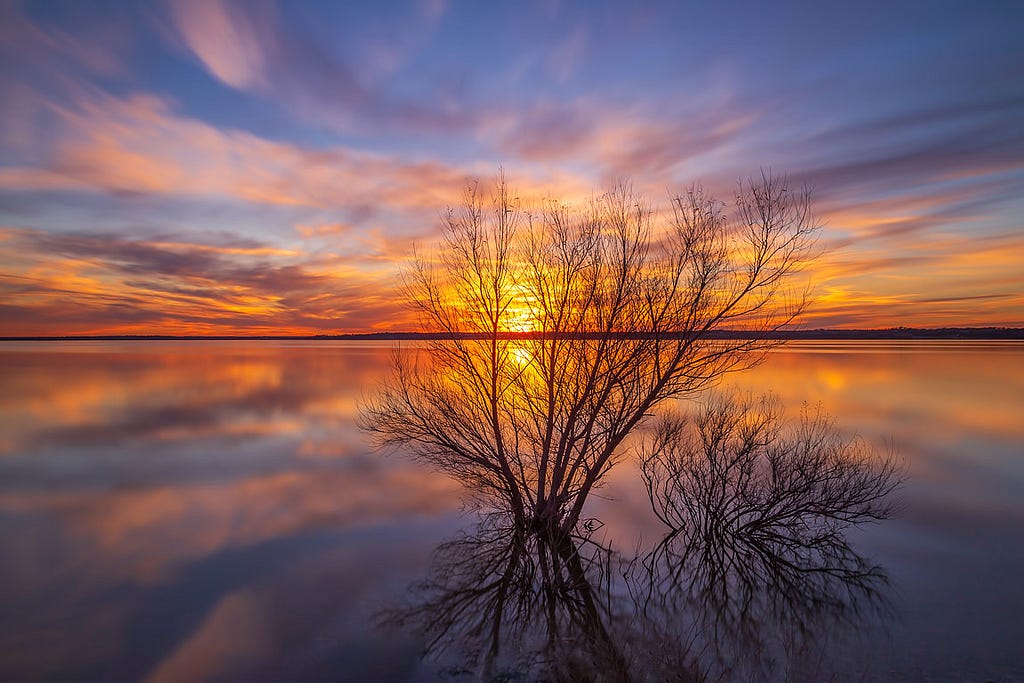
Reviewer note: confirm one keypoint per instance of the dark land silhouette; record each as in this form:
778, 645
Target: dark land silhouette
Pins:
894, 333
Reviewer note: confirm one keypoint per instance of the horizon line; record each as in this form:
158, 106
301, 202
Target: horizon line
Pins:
901, 332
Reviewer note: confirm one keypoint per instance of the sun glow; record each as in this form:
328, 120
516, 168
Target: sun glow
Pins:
521, 320
522, 315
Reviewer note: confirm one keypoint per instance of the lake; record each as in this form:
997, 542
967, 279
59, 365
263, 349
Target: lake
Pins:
190, 510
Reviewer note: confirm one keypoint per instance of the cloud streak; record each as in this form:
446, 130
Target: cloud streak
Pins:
92, 283
250, 47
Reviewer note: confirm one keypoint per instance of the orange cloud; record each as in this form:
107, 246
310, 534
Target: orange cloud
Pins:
323, 230
947, 281
104, 284
140, 145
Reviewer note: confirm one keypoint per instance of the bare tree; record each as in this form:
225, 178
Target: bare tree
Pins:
740, 478
756, 510
559, 331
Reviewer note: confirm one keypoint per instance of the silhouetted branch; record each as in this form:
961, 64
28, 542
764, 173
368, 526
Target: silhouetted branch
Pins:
624, 303
756, 510
504, 603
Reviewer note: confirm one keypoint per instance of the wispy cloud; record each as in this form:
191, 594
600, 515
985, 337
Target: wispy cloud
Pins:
139, 144
250, 47
226, 40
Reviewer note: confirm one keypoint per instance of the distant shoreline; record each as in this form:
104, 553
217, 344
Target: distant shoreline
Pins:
898, 333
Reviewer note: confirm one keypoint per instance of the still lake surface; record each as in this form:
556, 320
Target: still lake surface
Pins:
209, 510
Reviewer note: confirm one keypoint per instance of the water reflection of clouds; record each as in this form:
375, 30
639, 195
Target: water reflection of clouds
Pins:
75, 399
146, 486
952, 411
143, 533
175, 511
936, 392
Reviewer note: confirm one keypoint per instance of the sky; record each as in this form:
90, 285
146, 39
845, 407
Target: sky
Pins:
217, 167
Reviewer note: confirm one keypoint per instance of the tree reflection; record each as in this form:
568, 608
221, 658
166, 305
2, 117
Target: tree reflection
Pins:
756, 511
742, 489
507, 603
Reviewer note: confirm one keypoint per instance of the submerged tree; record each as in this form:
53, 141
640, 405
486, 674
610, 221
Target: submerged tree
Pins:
750, 581
559, 332
756, 510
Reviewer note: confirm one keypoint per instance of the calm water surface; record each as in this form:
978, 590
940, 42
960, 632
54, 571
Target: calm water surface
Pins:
208, 510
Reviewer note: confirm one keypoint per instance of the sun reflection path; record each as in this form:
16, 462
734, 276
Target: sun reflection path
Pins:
521, 355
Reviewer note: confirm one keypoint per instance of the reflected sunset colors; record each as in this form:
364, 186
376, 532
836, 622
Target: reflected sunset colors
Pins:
193, 491
952, 412
210, 508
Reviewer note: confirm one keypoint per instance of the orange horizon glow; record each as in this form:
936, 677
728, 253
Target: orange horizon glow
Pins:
93, 286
